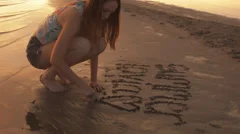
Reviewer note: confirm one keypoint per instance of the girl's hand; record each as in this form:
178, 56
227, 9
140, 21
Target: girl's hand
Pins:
96, 86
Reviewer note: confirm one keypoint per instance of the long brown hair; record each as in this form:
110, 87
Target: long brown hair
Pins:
93, 27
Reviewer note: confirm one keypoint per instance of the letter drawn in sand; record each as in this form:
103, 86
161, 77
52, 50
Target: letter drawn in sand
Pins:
171, 104
126, 79
172, 88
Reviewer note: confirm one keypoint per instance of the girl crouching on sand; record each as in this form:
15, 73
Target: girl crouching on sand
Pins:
77, 32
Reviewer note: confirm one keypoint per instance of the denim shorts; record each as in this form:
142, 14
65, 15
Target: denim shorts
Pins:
34, 52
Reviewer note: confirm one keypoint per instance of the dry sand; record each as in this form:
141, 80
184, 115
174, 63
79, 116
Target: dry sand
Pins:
163, 79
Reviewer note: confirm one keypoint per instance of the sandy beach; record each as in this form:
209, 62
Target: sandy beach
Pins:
175, 71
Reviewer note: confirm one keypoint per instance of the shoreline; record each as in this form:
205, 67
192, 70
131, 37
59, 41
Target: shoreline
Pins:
214, 31
185, 12
191, 9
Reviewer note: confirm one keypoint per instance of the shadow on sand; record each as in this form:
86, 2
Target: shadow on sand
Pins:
59, 113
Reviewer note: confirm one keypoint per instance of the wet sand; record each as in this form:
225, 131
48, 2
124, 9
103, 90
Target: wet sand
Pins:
170, 74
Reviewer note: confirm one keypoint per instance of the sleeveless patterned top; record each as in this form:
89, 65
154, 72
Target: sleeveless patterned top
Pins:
49, 29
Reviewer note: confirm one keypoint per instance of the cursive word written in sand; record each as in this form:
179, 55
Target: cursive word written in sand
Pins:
164, 92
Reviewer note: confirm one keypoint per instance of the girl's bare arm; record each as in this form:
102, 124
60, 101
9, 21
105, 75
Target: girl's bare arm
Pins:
70, 25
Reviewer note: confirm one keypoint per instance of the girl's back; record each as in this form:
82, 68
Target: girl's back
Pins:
49, 29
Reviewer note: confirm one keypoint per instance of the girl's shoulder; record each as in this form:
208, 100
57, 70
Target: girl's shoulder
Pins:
78, 4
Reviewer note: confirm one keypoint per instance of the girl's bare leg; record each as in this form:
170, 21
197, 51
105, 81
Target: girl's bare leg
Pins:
78, 52
95, 52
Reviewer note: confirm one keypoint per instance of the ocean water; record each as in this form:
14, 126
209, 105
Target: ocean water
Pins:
229, 8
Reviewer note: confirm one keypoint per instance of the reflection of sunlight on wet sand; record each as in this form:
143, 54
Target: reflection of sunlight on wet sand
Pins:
15, 19
11, 2
23, 7
19, 23
39, 2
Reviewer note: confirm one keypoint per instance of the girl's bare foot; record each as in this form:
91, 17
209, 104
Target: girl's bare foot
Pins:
64, 80
51, 84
